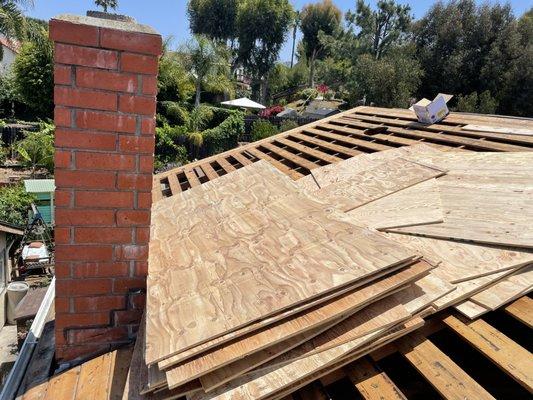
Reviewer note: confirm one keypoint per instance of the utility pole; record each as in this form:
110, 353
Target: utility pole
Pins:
295, 29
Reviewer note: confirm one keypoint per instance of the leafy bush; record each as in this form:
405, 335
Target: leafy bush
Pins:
225, 136
308, 94
262, 129
483, 104
169, 146
174, 112
36, 150
287, 125
14, 204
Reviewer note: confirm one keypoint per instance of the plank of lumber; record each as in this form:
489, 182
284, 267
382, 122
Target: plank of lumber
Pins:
332, 310
371, 383
470, 309
506, 290
173, 183
460, 262
241, 159
363, 144
63, 386
522, 310
308, 150
94, 378
417, 205
498, 129
439, 370
226, 166
325, 144
191, 177
296, 159
209, 171
509, 356
375, 183
192, 293
295, 175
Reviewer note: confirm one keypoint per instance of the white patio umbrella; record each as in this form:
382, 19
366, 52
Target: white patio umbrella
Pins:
244, 103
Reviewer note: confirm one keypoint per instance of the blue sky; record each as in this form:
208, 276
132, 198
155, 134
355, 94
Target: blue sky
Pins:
169, 16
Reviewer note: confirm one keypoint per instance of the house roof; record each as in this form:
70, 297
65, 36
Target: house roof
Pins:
330, 140
11, 228
11, 44
39, 185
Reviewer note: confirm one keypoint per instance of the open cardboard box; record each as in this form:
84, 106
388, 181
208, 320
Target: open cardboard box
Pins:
430, 112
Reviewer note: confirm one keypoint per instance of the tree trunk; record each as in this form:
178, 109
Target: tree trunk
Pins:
312, 71
198, 94
264, 90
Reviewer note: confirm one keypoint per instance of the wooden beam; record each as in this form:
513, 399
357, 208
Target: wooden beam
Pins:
209, 171
326, 145
295, 175
308, 150
365, 144
226, 165
240, 158
173, 183
371, 383
191, 177
522, 310
439, 370
303, 162
507, 355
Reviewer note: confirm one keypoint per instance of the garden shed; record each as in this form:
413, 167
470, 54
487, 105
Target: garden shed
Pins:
43, 190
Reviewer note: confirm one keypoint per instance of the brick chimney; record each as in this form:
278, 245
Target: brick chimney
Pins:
105, 75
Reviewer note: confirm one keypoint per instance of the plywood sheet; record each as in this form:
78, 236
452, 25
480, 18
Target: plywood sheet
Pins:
372, 184
470, 309
250, 266
464, 261
506, 290
270, 335
420, 204
308, 183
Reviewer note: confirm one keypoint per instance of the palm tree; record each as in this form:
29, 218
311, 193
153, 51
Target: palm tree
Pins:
105, 4
209, 65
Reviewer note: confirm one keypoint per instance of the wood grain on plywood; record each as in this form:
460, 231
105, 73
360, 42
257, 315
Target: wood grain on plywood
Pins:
522, 310
470, 309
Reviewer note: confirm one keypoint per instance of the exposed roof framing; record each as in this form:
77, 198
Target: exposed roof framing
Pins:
330, 140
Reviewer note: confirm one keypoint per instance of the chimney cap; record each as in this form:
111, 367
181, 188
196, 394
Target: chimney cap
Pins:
111, 16
123, 25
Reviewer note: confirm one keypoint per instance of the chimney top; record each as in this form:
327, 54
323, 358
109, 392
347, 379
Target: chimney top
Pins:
110, 21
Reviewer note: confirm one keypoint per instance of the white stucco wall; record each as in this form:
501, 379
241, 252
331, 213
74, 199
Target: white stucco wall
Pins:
7, 60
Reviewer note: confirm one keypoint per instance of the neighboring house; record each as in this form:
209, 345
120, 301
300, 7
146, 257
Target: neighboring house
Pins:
8, 236
43, 190
10, 50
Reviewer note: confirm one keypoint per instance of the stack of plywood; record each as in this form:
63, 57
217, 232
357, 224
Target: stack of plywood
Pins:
258, 285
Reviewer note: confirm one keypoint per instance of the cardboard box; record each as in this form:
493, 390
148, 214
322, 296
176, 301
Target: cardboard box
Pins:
430, 112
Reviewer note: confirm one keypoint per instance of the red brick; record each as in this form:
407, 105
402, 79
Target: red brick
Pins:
146, 164
77, 252
97, 335
141, 268
84, 179
138, 63
67, 32
85, 287
148, 126
134, 182
149, 85
62, 159
66, 96
138, 301
104, 161
105, 122
136, 104
62, 117
85, 140
62, 235
100, 270
62, 198
62, 270
62, 75
144, 200
125, 285
133, 218
78, 319
106, 235
104, 199
126, 317
134, 252
101, 303
142, 235
131, 41
62, 305
84, 56
84, 217
136, 144
108, 80
82, 352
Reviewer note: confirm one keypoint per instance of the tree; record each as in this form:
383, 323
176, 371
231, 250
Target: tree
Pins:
213, 18
209, 65
34, 77
262, 27
174, 83
36, 150
14, 204
105, 4
316, 18
382, 28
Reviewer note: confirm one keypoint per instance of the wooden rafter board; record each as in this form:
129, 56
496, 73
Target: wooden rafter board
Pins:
264, 261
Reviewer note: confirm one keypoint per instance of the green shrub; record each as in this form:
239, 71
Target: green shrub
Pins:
169, 146
14, 204
287, 125
225, 136
173, 112
262, 129
308, 94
